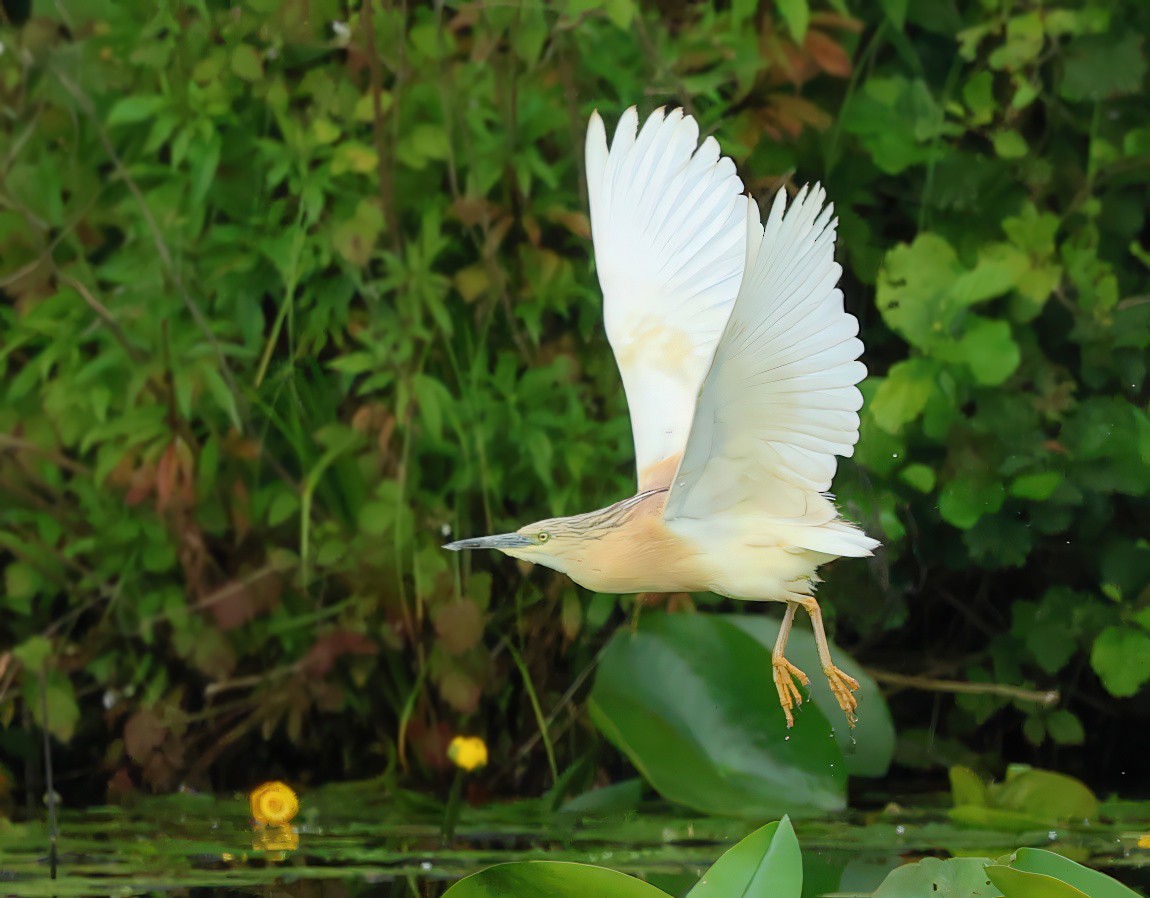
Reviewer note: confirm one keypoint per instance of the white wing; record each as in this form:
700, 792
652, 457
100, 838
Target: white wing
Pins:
668, 224
779, 401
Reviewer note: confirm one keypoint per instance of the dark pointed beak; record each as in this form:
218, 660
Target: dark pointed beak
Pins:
501, 541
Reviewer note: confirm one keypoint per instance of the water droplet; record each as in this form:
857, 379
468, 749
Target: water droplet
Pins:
1052, 835
894, 455
786, 738
900, 829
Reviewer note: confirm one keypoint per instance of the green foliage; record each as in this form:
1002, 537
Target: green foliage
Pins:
1028, 799
963, 877
291, 290
691, 701
556, 879
1028, 873
768, 862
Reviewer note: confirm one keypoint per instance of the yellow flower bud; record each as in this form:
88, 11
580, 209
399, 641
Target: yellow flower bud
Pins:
468, 752
274, 803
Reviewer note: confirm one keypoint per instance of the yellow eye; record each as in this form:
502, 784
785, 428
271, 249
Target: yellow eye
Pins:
544, 536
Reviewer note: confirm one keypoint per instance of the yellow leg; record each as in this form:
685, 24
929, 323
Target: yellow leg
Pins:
785, 672
842, 684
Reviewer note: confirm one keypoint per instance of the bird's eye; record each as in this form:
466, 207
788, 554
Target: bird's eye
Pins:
544, 536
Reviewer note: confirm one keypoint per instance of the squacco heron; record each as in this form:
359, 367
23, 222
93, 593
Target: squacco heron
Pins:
740, 368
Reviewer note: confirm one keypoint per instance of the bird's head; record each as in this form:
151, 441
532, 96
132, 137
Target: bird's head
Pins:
556, 543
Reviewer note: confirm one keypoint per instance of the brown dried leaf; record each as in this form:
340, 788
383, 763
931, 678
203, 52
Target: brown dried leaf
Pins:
828, 54
460, 691
143, 734
331, 646
459, 625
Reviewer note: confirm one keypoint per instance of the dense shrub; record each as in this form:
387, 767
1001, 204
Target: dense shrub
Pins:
291, 291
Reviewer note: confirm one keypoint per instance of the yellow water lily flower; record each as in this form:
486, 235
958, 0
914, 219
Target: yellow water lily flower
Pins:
468, 752
274, 803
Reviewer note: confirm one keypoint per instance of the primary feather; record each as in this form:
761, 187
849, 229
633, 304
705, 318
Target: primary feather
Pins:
668, 224
779, 400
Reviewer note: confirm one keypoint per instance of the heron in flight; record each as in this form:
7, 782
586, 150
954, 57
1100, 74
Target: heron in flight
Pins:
740, 367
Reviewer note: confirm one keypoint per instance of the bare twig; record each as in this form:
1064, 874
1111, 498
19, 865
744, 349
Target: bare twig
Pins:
930, 684
382, 150
103, 313
9, 441
251, 681
52, 829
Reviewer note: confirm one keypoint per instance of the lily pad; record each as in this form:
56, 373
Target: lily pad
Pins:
1091, 882
690, 699
1018, 884
961, 877
551, 879
1028, 799
766, 864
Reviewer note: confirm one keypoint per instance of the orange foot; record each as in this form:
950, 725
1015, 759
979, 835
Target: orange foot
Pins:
844, 686
789, 695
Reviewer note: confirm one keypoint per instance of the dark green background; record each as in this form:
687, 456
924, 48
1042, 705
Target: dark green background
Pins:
290, 291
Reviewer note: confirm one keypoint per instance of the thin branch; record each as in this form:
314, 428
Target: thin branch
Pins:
103, 313
930, 684
382, 150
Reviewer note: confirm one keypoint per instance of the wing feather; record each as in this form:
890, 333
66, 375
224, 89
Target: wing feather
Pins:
667, 222
780, 400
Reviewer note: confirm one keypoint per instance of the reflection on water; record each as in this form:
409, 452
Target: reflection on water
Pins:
358, 839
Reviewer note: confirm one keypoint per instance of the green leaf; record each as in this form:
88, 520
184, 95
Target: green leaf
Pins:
766, 864
978, 94
1090, 882
964, 500
22, 582
915, 289
895, 11
352, 156
967, 788
355, 238
551, 879
690, 699
1036, 486
1065, 728
797, 15
1121, 658
620, 12
920, 477
1100, 66
1028, 799
63, 710
129, 110
1044, 795
998, 268
987, 349
962, 877
903, 394
1017, 884
1024, 41
246, 63
33, 653
1009, 145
